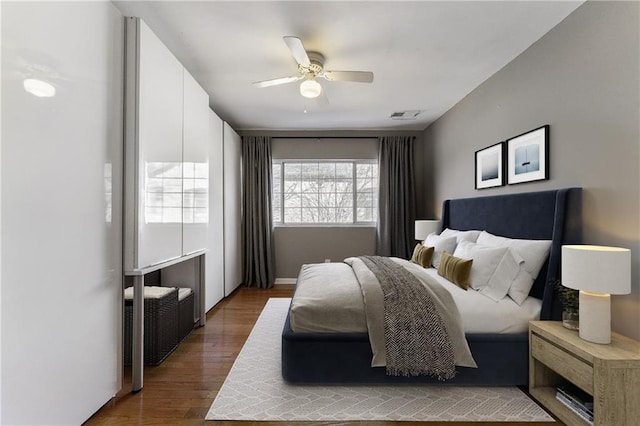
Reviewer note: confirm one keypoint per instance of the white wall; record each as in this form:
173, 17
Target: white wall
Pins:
61, 211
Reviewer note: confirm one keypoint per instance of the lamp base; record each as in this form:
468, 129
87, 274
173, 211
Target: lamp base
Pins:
595, 317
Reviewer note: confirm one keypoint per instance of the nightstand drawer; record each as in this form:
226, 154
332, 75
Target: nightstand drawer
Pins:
567, 365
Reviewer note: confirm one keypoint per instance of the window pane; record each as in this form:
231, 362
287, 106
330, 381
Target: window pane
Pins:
327, 170
344, 170
365, 215
292, 200
309, 215
277, 213
292, 215
292, 186
324, 192
307, 186
328, 199
327, 215
344, 215
292, 171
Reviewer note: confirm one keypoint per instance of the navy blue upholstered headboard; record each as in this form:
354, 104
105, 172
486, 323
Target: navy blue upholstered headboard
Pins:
554, 215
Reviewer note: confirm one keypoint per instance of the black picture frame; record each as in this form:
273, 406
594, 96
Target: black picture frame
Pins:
489, 166
528, 156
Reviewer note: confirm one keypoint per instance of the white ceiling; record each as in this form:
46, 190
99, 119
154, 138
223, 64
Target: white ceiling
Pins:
425, 55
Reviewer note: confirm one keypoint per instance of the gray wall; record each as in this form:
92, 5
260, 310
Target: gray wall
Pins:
581, 78
295, 246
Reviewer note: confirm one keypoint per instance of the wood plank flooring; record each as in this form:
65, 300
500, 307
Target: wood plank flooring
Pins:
181, 390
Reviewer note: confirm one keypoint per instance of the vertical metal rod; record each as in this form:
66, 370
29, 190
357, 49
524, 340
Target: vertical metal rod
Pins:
137, 356
201, 287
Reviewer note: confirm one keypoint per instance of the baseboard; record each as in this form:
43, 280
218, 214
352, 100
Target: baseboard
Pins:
285, 281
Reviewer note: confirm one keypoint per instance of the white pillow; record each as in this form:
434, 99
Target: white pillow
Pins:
439, 245
521, 286
503, 277
461, 235
534, 252
485, 261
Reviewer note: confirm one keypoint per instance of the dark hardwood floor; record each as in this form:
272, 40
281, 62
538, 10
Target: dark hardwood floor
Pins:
181, 390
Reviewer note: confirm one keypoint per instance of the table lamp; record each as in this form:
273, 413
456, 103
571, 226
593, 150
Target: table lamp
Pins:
598, 272
426, 227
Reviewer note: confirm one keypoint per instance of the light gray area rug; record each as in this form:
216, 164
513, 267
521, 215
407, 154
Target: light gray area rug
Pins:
255, 390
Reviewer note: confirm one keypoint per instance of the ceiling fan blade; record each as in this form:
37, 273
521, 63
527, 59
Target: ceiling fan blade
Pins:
357, 76
277, 81
297, 50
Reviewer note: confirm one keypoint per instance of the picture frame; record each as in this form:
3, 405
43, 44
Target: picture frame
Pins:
528, 156
489, 166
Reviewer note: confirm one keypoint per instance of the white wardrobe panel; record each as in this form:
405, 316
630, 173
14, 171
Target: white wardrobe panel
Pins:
195, 167
159, 154
61, 211
215, 235
232, 210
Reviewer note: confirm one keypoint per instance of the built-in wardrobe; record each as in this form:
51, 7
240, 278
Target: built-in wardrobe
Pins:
182, 184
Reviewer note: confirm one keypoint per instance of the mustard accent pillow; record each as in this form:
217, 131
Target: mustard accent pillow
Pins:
455, 269
422, 255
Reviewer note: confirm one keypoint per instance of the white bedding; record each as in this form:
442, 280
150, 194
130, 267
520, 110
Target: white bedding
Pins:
482, 315
328, 302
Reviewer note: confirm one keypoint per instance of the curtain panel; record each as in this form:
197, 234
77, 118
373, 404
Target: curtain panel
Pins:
257, 234
396, 215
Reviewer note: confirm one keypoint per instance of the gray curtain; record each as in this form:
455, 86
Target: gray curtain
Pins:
257, 236
396, 212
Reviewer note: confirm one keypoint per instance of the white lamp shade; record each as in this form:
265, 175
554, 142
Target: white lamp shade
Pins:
310, 89
426, 227
596, 269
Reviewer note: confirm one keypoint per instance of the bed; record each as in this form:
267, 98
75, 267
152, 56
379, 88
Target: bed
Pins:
502, 358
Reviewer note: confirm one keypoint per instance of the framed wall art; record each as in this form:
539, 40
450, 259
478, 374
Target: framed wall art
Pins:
490, 166
528, 156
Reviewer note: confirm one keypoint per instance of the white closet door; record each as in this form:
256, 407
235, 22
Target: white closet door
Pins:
61, 211
195, 169
215, 255
159, 215
232, 210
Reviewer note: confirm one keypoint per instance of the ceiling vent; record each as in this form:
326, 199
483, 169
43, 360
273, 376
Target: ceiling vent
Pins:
405, 115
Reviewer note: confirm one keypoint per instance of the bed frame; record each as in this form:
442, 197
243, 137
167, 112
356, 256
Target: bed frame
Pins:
331, 358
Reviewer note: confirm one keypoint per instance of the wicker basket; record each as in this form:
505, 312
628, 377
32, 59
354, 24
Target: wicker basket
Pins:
160, 328
185, 316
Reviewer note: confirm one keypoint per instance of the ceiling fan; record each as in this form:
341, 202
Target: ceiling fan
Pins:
310, 68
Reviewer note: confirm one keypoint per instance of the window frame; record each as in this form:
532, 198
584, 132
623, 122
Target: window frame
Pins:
352, 224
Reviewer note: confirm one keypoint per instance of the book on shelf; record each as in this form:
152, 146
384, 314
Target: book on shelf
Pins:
575, 408
577, 395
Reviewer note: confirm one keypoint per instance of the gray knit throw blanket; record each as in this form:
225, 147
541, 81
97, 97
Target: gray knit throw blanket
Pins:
416, 339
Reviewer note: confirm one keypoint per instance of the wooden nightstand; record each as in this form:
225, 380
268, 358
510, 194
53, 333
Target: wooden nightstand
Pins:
610, 373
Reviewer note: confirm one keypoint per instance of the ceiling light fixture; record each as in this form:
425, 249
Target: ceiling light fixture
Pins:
310, 89
39, 88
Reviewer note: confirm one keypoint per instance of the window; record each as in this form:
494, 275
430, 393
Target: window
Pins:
327, 192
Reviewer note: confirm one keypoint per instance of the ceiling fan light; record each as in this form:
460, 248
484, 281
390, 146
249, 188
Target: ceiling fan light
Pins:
310, 89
